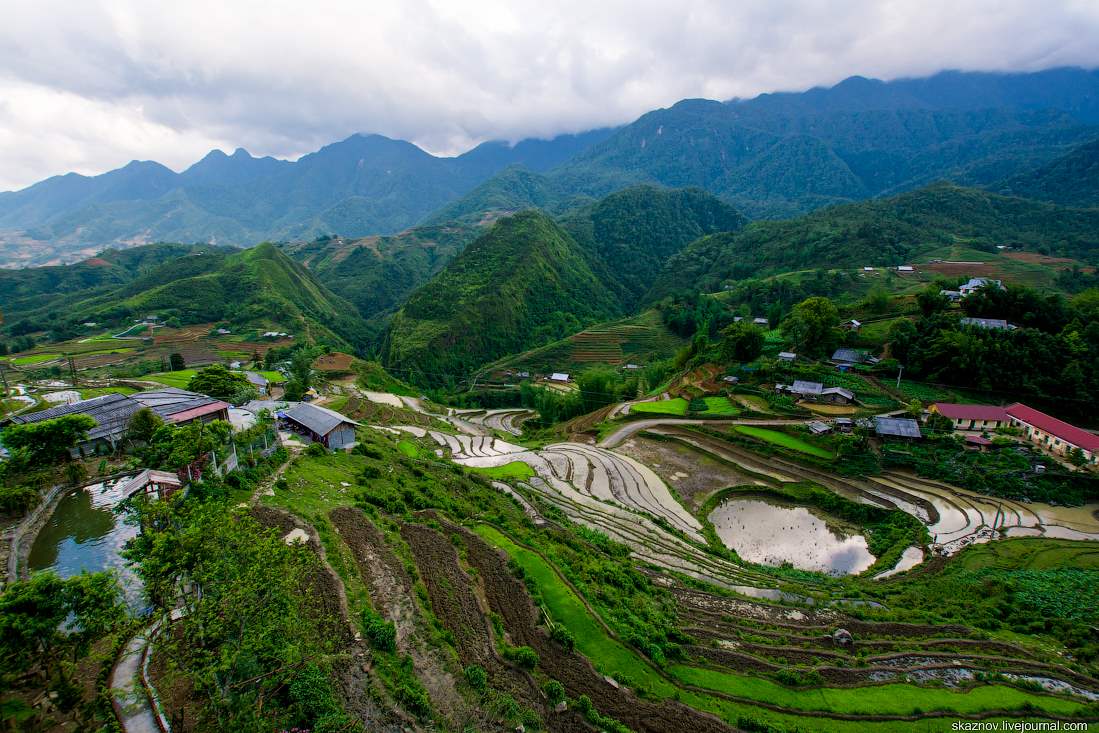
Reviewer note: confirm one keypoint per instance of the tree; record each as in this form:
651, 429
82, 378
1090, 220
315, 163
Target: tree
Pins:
301, 374
741, 342
46, 617
931, 301
176, 362
877, 300
812, 326
143, 425
218, 382
48, 441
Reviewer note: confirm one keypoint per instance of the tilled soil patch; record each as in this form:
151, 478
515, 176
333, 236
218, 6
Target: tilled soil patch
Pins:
454, 602
508, 597
391, 595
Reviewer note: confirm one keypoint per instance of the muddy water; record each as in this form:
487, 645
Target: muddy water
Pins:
84, 533
764, 532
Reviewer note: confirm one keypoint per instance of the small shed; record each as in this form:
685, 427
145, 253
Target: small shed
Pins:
559, 377
731, 379
816, 427
787, 356
837, 395
845, 424
258, 381
761, 322
806, 389
848, 356
897, 427
324, 426
997, 324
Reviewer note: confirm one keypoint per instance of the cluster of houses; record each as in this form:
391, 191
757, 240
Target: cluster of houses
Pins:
1045, 431
817, 392
112, 413
974, 284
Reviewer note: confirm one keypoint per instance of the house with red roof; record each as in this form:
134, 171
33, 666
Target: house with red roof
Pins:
972, 417
1056, 436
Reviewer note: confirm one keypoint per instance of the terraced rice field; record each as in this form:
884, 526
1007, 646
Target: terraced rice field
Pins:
785, 440
508, 420
675, 406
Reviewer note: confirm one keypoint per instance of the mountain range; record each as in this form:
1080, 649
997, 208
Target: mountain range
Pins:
776, 155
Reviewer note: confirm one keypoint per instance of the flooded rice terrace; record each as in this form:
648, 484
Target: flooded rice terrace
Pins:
770, 533
84, 533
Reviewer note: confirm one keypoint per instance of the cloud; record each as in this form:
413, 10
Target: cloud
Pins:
88, 86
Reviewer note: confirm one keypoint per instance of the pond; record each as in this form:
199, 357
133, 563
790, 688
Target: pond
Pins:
84, 533
766, 532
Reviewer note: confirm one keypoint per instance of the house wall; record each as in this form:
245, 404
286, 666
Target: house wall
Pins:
1050, 442
341, 436
966, 424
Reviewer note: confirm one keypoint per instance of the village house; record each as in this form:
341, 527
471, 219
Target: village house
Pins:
321, 425
787, 356
816, 427
761, 322
1045, 431
971, 417
112, 413
558, 377
1056, 436
258, 381
976, 283
852, 325
897, 427
952, 295
848, 356
989, 323
837, 396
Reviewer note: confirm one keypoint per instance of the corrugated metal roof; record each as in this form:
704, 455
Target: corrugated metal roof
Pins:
901, 427
111, 412
840, 391
848, 355
1057, 428
801, 386
319, 420
169, 401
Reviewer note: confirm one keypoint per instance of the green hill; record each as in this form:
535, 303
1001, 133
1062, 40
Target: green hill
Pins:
376, 274
259, 287
888, 231
1071, 180
523, 283
634, 231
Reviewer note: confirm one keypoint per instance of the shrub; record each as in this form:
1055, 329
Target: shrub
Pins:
477, 677
563, 636
17, 499
524, 656
316, 449
555, 691
381, 633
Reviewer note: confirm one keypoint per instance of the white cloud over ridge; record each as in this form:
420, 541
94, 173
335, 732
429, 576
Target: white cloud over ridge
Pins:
90, 85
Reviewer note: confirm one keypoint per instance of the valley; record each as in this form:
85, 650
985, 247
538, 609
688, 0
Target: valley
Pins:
767, 415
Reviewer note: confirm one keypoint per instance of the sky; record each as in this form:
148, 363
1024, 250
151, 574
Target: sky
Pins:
88, 85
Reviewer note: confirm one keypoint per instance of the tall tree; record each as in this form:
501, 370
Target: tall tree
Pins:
812, 326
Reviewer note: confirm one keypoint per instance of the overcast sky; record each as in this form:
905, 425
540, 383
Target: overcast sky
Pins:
89, 85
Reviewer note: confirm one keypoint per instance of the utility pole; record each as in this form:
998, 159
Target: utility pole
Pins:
72, 371
900, 371
4, 398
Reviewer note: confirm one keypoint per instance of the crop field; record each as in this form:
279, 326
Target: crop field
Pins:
516, 470
784, 439
178, 379
635, 340
87, 394
1031, 553
674, 406
33, 359
720, 406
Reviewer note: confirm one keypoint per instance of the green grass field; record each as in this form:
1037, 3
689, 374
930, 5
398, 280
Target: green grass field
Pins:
720, 406
676, 406
31, 359
173, 379
410, 449
516, 470
785, 440
897, 699
316, 484
1031, 553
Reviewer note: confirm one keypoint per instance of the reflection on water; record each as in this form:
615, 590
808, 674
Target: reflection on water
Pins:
771, 534
83, 533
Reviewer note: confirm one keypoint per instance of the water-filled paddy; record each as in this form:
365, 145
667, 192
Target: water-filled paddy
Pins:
770, 533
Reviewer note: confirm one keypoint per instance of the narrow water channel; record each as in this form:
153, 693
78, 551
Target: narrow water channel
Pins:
770, 533
85, 533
